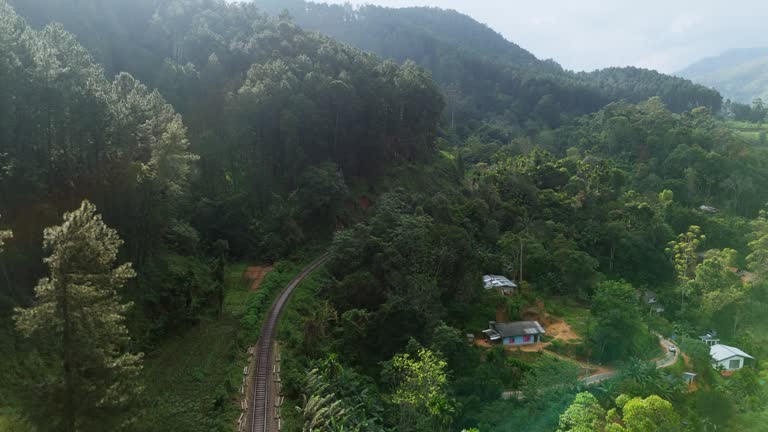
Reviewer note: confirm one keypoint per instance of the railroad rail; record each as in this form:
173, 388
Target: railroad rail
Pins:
261, 385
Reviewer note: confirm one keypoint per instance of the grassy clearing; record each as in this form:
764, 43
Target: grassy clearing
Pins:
576, 351
746, 126
191, 379
751, 137
577, 316
529, 357
751, 132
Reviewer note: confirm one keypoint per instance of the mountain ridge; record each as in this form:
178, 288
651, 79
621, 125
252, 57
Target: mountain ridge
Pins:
741, 74
485, 75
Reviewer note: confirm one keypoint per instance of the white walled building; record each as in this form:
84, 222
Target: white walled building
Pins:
728, 357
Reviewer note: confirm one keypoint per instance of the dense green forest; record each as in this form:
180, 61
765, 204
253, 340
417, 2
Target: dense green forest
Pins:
151, 150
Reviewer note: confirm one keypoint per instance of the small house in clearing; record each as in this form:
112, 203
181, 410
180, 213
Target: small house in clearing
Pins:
515, 333
727, 357
500, 283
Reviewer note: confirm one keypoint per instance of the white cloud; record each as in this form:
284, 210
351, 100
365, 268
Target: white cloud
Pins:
684, 23
542, 20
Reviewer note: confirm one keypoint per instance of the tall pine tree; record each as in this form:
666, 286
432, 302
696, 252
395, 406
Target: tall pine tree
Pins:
78, 325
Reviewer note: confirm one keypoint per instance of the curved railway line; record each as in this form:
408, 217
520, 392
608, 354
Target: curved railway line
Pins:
259, 416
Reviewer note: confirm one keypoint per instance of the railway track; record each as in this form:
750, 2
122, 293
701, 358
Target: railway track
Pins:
259, 407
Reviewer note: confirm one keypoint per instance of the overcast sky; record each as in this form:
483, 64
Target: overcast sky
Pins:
666, 35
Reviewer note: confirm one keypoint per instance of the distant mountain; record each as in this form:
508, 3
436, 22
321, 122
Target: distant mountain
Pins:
740, 74
484, 75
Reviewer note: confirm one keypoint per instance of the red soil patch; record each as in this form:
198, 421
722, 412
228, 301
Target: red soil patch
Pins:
254, 275
483, 343
501, 314
558, 330
686, 360
364, 203
357, 209
561, 330
534, 347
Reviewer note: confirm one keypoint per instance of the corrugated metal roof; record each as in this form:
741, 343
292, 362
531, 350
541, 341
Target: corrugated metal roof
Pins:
497, 281
722, 352
518, 328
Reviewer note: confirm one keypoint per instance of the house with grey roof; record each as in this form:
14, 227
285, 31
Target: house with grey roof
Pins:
514, 333
728, 358
499, 283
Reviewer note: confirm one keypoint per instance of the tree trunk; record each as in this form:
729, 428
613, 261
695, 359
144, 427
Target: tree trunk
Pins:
6, 277
682, 299
610, 261
221, 300
521, 262
69, 404
335, 136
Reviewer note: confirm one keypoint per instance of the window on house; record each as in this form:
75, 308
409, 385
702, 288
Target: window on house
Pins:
734, 364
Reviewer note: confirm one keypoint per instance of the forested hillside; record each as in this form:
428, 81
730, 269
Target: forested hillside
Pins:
274, 120
264, 101
70, 133
740, 75
484, 76
608, 208
155, 153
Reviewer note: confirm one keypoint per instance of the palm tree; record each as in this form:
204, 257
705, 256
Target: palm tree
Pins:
320, 408
607, 390
641, 372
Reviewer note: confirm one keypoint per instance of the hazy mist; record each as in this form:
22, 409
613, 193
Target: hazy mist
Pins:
587, 34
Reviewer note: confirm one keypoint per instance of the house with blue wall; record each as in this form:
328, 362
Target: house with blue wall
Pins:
514, 333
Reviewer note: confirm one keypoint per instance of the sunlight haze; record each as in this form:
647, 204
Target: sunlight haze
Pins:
458, 216
591, 34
